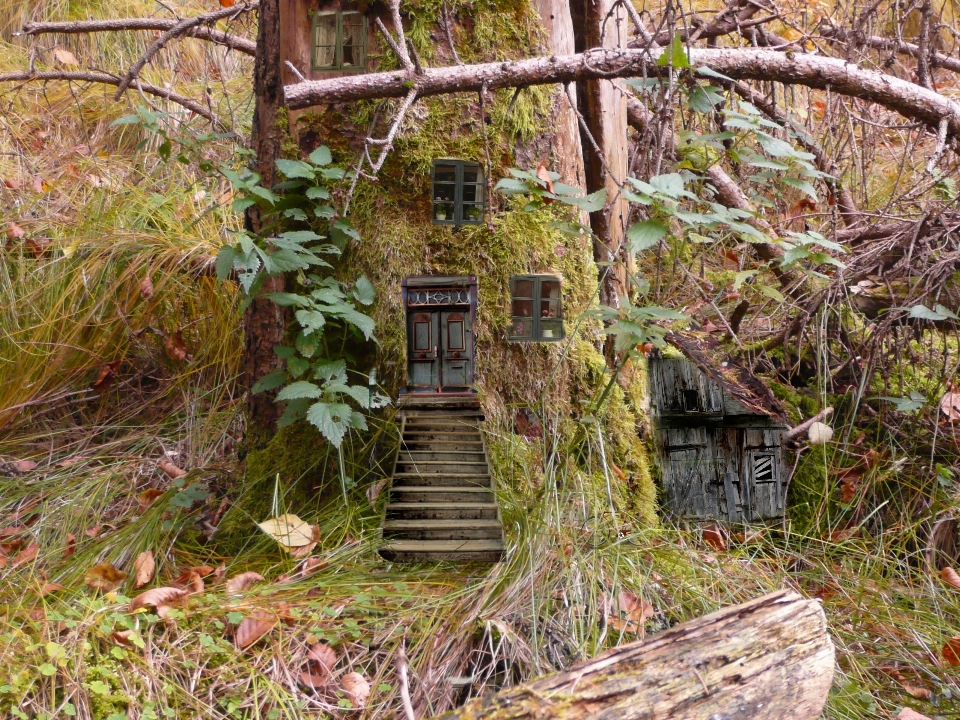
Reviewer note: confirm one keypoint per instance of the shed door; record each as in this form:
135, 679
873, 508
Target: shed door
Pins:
766, 482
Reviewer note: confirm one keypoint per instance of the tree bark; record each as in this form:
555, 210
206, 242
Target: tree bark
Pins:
767, 659
264, 322
909, 99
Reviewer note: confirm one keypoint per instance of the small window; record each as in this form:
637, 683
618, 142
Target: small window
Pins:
457, 193
763, 469
339, 41
536, 314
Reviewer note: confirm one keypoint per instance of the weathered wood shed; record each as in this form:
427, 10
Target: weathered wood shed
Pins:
718, 430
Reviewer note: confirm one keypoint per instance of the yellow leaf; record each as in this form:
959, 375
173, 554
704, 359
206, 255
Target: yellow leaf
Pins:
105, 577
65, 57
288, 530
143, 568
356, 688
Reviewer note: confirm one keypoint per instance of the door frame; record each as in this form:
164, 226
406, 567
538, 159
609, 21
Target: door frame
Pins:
437, 293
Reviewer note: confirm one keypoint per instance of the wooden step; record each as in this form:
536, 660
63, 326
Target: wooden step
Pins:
443, 530
441, 434
445, 480
434, 467
441, 493
442, 510
439, 550
409, 445
434, 456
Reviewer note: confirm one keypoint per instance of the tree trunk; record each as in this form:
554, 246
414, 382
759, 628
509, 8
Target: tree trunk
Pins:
264, 322
767, 659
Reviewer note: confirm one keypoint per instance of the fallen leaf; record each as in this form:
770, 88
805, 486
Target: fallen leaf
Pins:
632, 613
25, 466
950, 406
356, 688
288, 530
951, 650
50, 588
38, 614
713, 537
303, 551
9, 531
4, 562
373, 492
227, 3
908, 714
65, 57
71, 547
146, 498
156, 598
252, 629
11, 546
171, 470
72, 460
243, 581
312, 565
39, 186
920, 693
175, 346
143, 568
313, 681
850, 479
12, 184
122, 637
104, 576
544, 175
93, 531
220, 572
14, 231
37, 246
146, 288
106, 377
950, 577
324, 656
28, 554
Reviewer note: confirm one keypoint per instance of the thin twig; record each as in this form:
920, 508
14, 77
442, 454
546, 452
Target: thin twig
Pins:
296, 72
446, 28
404, 682
941, 145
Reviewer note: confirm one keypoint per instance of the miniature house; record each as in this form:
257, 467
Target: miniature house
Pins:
718, 431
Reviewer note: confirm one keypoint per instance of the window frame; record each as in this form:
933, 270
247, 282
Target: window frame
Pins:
536, 329
458, 186
338, 65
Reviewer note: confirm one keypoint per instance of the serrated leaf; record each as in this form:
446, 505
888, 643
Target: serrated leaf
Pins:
742, 277
295, 169
364, 291
318, 193
646, 234
269, 382
300, 389
297, 366
922, 312
589, 203
287, 299
674, 54
331, 419
770, 292
311, 320
321, 156
225, 259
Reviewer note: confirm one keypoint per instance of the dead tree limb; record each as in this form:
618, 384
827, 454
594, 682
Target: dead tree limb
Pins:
909, 99
98, 77
799, 430
889, 44
220, 37
767, 659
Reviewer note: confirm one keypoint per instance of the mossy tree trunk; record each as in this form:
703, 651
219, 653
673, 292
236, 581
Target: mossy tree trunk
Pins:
265, 322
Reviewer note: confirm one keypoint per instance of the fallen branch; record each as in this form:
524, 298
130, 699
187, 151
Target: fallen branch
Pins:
799, 430
889, 44
98, 77
221, 37
767, 659
909, 99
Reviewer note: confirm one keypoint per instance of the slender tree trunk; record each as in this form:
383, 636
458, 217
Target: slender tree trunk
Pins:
264, 322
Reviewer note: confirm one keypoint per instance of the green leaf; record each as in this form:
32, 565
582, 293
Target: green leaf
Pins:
331, 419
908, 404
234, 618
317, 193
674, 54
225, 259
646, 234
295, 169
802, 185
711, 73
311, 320
300, 236
284, 352
702, 99
589, 203
47, 669
742, 277
127, 120
240, 204
364, 291
321, 156
921, 312
299, 389
770, 292
670, 184
269, 382
287, 299
297, 366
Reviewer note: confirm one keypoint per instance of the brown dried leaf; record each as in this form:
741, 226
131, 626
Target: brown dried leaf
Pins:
171, 470
71, 547
38, 246
313, 681
65, 57
14, 231
28, 554
950, 406
252, 629
175, 346
633, 613
544, 175
72, 460
951, 650
373, 492
12, 183
920, 693
49, 588
299, 552
122, 637
105, 379
243, 581
9, 531
909, 714
220, 572
104, 576
950, 577
713, 536
324, 656
356, 688
146, 498
25, 466
156, 598
143, 568
92, 532
146, 288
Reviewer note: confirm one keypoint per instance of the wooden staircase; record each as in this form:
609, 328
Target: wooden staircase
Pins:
442, 504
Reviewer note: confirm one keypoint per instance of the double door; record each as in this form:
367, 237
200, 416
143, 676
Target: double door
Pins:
439, 350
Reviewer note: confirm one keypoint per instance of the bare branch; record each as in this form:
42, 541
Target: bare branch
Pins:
98, 77
890, 45
800, 429
814, 71
179, 29
235, 42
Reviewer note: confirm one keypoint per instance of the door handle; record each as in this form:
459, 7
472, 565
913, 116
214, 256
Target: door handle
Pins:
435, 352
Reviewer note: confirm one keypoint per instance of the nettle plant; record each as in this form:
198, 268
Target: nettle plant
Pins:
300, 229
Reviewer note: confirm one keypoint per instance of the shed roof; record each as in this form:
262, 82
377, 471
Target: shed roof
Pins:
712, 359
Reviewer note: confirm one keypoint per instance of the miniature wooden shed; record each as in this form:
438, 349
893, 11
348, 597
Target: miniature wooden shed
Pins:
719, 431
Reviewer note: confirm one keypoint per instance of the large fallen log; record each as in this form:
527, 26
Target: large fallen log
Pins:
768, 659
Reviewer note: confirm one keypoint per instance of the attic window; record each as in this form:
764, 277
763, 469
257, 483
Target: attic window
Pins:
457, 193
535, 309
339, 41
690, 400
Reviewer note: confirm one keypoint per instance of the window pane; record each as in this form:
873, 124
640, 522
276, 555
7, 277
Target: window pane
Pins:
443, 191
522, 308
549, 308
444, 173
353, 39
523, 289
521, 327
472, 193
471, 174
551, 329
550, 289
472, 213
325, 41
